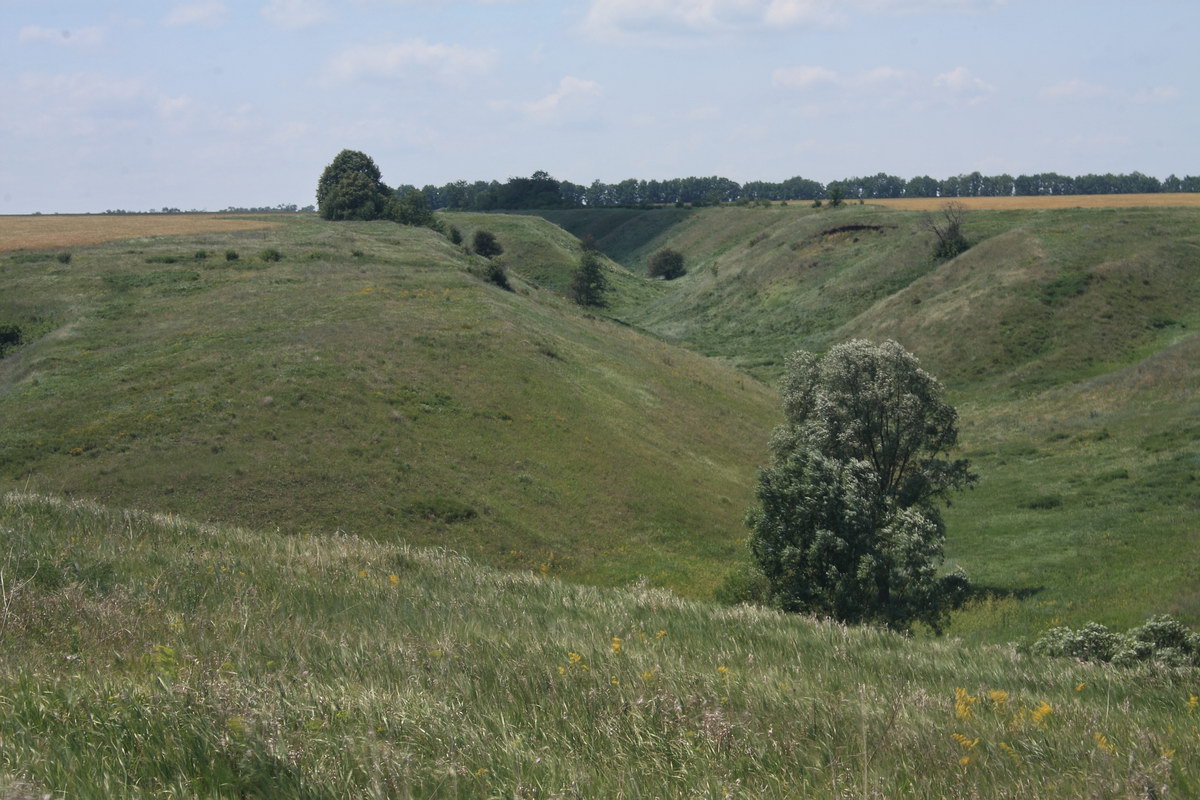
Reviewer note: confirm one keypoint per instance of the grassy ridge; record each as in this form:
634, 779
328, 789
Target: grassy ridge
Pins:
147, 655
1067, 338
369, 382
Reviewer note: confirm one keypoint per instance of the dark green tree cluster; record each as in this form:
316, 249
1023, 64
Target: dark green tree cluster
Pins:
352, 188
847, 524
666, 264
543, 191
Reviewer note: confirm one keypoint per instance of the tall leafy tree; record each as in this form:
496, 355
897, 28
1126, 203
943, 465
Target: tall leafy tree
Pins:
351, 187
848, 522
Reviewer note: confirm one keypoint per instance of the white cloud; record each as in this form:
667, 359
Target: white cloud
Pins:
210, 13
661, 21
389, 61
82, 37
568, 87
1074, 89
811, 77
295, 14
84, 104
804, 77
963, 85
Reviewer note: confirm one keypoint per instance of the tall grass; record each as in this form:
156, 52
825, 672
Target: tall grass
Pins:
147, 656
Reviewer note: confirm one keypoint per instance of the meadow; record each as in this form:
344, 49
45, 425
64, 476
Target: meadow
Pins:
1066, 338
368, 381
147, 655
239, 491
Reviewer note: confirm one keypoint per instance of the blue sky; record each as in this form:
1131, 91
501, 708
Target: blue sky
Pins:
212, 103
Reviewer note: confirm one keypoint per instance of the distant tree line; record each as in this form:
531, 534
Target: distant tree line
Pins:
542, 191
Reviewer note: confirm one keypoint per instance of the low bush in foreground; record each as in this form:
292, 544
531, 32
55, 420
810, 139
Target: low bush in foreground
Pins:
150, 656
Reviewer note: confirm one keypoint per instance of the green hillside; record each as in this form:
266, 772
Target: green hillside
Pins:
146, 655
369, 382
1069, 342
372, 382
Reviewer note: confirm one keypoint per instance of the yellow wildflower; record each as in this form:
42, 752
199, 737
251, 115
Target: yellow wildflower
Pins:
1079, 687
574, 658
1040, 713
998, 697
616, 644
963, 704
394, 579
1192, 703
1102, 742
614, 681
562, 670
362, 573
964, 742
660, 634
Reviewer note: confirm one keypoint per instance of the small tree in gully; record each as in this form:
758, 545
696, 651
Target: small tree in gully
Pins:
947, 227
847, 524
666, 264
588, 284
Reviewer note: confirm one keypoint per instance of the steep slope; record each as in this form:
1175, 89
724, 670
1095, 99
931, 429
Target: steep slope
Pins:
369, 382
151, 656
1068, 339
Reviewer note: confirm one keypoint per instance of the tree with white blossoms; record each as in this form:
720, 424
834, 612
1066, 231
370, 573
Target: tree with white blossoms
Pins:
848, 523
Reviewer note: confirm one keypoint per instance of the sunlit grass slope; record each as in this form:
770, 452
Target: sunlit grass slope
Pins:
369, 382
1068, 339
150, 656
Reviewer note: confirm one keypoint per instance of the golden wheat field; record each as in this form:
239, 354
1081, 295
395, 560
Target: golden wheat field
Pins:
42, 232
1190, 199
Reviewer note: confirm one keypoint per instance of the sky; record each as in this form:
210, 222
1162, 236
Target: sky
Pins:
206, 104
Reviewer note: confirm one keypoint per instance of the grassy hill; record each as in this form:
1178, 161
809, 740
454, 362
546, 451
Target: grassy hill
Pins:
1068, 339
370, 382
147, 655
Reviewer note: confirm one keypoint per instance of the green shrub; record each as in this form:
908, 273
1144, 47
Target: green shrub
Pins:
231, 255
1161, 640
64, 258
357, 253
454, 235
200, 255
10, 336
497, 274
270, 254
666, 264
484, 243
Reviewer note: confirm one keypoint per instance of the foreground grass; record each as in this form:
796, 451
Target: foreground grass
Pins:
150, 656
